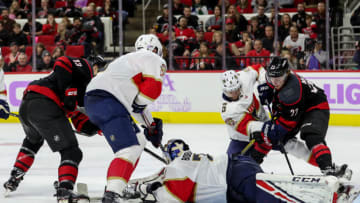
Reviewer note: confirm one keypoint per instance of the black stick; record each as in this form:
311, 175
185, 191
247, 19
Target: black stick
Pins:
282, 148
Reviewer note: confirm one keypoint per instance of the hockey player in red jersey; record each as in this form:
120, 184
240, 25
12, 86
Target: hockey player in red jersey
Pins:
124, 89
298, 105
46, 105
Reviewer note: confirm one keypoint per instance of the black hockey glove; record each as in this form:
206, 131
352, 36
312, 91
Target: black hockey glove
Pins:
260, 151
4, 109
82, 123
70, 99
137, 108
266, 93
154, 132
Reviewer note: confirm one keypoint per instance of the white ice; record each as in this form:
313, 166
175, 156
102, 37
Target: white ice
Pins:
37, 186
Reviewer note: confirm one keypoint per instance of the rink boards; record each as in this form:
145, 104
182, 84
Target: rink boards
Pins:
195, 97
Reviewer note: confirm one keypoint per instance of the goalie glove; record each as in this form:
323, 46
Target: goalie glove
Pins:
142, 191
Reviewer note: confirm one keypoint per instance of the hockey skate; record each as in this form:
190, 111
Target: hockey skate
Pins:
111, 197
64, 195
14, 180
347, 193
341, 172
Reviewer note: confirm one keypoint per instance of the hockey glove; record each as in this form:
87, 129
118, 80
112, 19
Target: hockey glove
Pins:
70, 100
266, 93
82, 123
154, 132
137, 108
260, 151
273, 133
4, 109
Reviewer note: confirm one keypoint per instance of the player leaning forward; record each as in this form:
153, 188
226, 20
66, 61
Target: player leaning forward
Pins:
124, 89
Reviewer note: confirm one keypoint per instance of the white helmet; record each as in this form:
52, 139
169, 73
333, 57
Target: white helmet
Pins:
231, 81
149, 42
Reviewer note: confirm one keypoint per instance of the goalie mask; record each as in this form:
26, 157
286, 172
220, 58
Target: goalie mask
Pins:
175, 148
149, 42
231, 83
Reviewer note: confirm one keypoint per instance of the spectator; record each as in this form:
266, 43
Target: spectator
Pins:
194, 43
19, 37
284, 28
40, 48
4, 35
21, 65
198, 8
230, 62
57, 52
264, 3
244, 6
295, 42
202, 59
272, 17
28, 26
215, 21
67, 22
108, 10
320, 19
231, 34
183, 31
12, 56
262, 18
62, 36
94, 29
179, 47
254, 30
299, 19
50, 27
76, 32
317, 59
3, 65
240, 21
356, 57
69, 10
44, 9
243, 46
47, 62
15, 11
178, 8
25, 5
310, 28
192, 20
7, 22
355, 21
163, 21
268, 40
258, 55
216, 39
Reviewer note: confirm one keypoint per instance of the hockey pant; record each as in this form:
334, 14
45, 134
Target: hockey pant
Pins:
236, 146
121, 133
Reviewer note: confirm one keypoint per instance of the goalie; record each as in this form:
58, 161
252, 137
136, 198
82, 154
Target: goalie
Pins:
192, 177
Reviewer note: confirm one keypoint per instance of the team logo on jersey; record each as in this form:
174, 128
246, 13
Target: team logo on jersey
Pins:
56, 138
112, 138
230, 121
162, 70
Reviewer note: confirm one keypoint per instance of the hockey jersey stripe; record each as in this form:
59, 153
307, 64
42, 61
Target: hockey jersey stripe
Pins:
63, 63
242, 125
181, 189
286, 123
148, 86
323, 105
120, 169
256, 68
44, 91
3, 92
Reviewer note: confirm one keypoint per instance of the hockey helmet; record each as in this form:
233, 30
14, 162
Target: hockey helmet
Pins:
149, 42
231, 81
96, 60
175, 148
278, 67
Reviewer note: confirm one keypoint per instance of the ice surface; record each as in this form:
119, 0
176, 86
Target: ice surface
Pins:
37, 186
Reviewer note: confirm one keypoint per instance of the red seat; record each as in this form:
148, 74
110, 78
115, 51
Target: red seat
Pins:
28, 52
60, 4
287, 10
74, 51
5, 51
50, 48
208, 36
46, 39
187, 2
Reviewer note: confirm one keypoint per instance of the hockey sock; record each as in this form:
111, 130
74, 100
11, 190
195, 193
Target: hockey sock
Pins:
68, 169
119, 173
26, 155
320, 156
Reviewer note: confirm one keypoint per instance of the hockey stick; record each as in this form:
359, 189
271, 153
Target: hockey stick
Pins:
251, 143
14, 114
282, 148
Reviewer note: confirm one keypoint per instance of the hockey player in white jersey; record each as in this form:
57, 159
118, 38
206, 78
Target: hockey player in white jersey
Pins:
4, 106
124, 89
241, 109
201, 178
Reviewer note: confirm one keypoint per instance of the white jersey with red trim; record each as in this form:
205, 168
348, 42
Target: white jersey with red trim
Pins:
3, 93
194, 178
246, 115
134, 76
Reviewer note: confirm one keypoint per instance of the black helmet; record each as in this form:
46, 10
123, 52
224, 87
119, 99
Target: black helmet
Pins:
277, 67
96, 60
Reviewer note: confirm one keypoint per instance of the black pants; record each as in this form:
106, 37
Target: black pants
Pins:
42, 118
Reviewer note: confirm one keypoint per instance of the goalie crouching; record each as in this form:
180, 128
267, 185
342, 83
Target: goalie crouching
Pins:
192, 177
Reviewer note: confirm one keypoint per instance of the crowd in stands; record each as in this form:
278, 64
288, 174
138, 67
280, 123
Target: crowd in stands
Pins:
80, 32
197, 45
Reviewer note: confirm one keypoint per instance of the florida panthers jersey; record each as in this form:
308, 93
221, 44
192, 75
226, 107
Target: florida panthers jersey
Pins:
194, 178
245, 115
3, 92
134, 76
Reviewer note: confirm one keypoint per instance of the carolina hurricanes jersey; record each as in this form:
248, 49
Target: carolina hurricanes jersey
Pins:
194, 178
246, 115
134, 76
3, 93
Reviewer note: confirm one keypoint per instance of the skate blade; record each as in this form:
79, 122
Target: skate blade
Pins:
7, 193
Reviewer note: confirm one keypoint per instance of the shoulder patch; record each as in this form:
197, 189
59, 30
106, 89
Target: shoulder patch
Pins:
230, 121
292, 91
